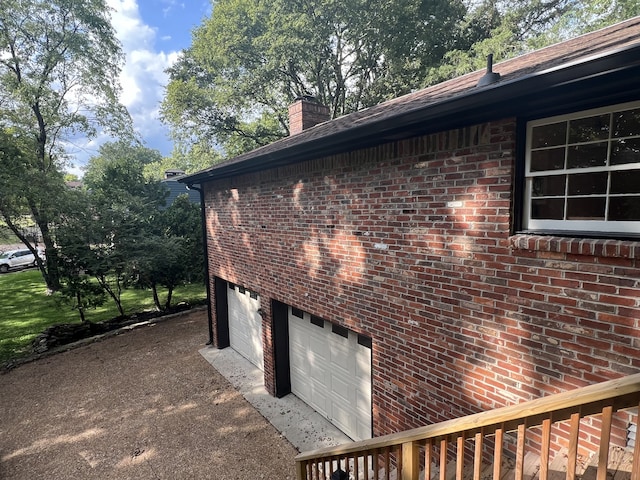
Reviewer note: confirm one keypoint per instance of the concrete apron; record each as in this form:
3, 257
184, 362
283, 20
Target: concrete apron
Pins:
295, 420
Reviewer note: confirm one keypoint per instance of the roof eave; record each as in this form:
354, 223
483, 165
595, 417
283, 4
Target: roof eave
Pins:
614, 72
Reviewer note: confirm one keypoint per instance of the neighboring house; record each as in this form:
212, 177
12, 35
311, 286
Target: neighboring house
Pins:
74, 185
171, 180
453, 250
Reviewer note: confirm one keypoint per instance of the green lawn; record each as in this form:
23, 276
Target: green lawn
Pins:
26, 310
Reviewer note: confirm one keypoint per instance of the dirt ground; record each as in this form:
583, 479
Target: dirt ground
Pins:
141, 405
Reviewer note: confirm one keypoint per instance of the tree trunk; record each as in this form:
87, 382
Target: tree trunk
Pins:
169, 295
52, 277
116, 298
156, 299
80, 309
49, 272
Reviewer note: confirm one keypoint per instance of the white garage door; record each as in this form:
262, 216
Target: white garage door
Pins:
331, 371
245, 324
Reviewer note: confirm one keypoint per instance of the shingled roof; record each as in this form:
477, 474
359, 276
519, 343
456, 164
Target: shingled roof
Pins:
603, 64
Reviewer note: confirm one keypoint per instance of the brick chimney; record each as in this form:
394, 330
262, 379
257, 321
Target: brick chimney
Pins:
305, 112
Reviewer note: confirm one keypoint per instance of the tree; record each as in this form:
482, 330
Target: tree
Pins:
124, 205
161, 262
171, 253
122, 163
183, 220
502, 28
76, 233
507, 28
230, 89
188, 159
119, 235
71, 177
251, 58
586, 16
24, 189
59, 67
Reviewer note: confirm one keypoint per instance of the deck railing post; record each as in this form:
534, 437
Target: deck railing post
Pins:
410, 461
301, 470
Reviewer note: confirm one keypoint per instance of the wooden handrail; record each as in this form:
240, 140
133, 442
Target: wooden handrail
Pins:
617, 394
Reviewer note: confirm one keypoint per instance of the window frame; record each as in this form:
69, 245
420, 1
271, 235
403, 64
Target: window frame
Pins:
591, 228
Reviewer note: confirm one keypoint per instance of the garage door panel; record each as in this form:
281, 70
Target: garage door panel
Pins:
320, 400
318, 353
342, 418
331, 372
245, 324
343, 390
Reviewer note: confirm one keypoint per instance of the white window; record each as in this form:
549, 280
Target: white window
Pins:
583, 172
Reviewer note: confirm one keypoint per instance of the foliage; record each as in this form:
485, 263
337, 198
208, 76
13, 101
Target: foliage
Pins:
161, 261
81, 293
76, 236
251, 58
503, 28
71, 177
183, 220
26, 310
171, 253
59, 68
29, 191
189, 159
507, 28
6, 235
586, 16
119, 235
121, 162
106, 228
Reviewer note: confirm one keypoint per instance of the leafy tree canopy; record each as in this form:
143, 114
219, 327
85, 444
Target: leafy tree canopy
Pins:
108, 231
252, 58
508, 28
115, 177
121, 159
230, 90
59, 68
190, 160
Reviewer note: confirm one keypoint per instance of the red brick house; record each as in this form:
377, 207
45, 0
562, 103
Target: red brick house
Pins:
460, 248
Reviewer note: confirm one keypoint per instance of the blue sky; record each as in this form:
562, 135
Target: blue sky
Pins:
152, 32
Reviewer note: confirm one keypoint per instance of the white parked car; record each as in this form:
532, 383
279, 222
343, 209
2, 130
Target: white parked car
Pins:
17, 258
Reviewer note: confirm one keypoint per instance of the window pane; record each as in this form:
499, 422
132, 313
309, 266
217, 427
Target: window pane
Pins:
549, 135
624, 208
627, 123
594, 155
548, 186
589, 129
625, 151
588, 183
552, 159
547, 209
586, 208
625, 181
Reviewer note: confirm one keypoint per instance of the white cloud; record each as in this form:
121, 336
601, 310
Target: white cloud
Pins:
143, 79
129, 27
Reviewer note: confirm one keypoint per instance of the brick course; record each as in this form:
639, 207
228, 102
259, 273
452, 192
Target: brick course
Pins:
410, 244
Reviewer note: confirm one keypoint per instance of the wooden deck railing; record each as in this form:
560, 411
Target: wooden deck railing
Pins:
461, 445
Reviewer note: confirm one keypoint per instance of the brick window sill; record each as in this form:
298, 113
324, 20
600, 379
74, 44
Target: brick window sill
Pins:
577, 246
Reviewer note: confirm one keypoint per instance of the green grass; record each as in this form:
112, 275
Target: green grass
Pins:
26, 310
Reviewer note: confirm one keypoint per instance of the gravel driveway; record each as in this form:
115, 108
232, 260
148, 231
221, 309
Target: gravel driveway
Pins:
141, 405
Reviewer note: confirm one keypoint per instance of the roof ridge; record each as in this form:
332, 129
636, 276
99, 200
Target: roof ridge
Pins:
622, 36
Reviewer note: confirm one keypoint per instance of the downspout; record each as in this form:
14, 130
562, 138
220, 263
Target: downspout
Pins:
206, 259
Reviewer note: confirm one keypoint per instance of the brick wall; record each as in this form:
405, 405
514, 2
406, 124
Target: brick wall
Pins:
409, 243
